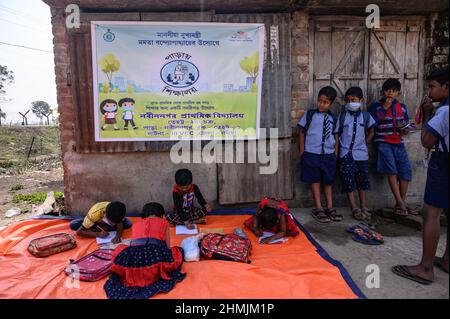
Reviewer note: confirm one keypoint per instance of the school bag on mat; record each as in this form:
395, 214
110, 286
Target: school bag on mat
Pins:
91, 267
52, 244
226, 247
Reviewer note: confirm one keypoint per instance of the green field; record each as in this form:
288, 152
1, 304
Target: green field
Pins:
223, 103
15, 141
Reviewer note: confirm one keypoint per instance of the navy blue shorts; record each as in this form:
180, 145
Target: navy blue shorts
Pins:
436, 189
354, 174
393, 160
317, 168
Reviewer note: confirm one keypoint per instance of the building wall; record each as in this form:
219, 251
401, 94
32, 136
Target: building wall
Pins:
139, 177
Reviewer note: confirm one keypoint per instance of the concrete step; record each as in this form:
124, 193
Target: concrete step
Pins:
412, 221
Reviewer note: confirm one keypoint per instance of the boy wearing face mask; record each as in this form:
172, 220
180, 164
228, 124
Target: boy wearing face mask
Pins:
355, 130
392, 121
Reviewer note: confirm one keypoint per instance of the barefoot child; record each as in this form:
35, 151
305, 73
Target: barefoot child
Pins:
184, 192
272, 215
355, 131
102, 218
148, 266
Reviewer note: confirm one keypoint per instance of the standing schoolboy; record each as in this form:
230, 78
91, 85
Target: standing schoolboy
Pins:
392, 121
355, 131
318, 151
434, 137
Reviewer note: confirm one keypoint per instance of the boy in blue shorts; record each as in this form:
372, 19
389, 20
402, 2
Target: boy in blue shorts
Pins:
355, 131
392, 123
318, 151
434, 137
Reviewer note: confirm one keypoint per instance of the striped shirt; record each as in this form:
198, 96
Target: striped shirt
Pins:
386, 121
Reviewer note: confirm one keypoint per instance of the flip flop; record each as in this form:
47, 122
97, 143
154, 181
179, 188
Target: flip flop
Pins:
365, 239
365, 235
403, 271
438, 263
413, 210
400, 212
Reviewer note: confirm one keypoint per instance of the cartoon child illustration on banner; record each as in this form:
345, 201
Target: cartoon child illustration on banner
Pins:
127, 104
108, 108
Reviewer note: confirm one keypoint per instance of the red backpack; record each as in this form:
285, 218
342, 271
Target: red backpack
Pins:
91, 267
226, 247
52, 244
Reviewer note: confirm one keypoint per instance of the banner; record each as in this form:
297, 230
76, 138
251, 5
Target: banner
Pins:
160, 81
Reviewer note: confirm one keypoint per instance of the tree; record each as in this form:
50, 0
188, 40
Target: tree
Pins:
41, 109
6, 77
250, 65
109, 64
116, 90
2, 115
130, 89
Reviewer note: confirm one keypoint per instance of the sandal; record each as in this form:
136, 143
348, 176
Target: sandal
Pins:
333, 215
367, 216
358, 214
320, 216
403, 271
401, 212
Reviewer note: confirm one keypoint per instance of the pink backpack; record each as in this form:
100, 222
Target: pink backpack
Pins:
92, 267
226, 247
52, 244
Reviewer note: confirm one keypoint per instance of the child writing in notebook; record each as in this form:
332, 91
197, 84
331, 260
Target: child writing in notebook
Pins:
149, 265
184, 191
272, 215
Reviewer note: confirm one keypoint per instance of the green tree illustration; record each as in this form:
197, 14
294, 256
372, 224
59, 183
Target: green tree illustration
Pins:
250, 65
109, 64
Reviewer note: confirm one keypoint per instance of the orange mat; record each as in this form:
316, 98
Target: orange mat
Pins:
295, 269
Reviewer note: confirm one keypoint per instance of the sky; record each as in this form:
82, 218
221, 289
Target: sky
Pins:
27, 23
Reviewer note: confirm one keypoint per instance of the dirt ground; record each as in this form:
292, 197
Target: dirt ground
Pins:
32, 181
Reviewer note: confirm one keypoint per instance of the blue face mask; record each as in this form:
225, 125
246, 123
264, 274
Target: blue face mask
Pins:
353, 106
128, 107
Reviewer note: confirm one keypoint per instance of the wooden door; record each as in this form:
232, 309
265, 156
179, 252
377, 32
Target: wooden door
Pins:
345, 53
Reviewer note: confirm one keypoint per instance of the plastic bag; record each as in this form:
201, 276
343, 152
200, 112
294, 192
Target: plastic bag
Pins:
191, 248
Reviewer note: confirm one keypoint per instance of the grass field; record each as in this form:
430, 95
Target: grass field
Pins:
244, 102
15, 143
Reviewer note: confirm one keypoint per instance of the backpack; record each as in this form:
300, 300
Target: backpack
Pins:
91, 267
309, 115
52, 244
226, 247
366, 117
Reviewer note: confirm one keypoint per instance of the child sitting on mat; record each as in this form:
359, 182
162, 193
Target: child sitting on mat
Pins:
272, 215
184, 192
102, 218
148, 266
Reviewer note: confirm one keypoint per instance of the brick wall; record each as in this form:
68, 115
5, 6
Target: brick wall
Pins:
299, 64
437, 41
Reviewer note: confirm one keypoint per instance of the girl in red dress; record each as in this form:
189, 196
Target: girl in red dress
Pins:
148, 266
272, 215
